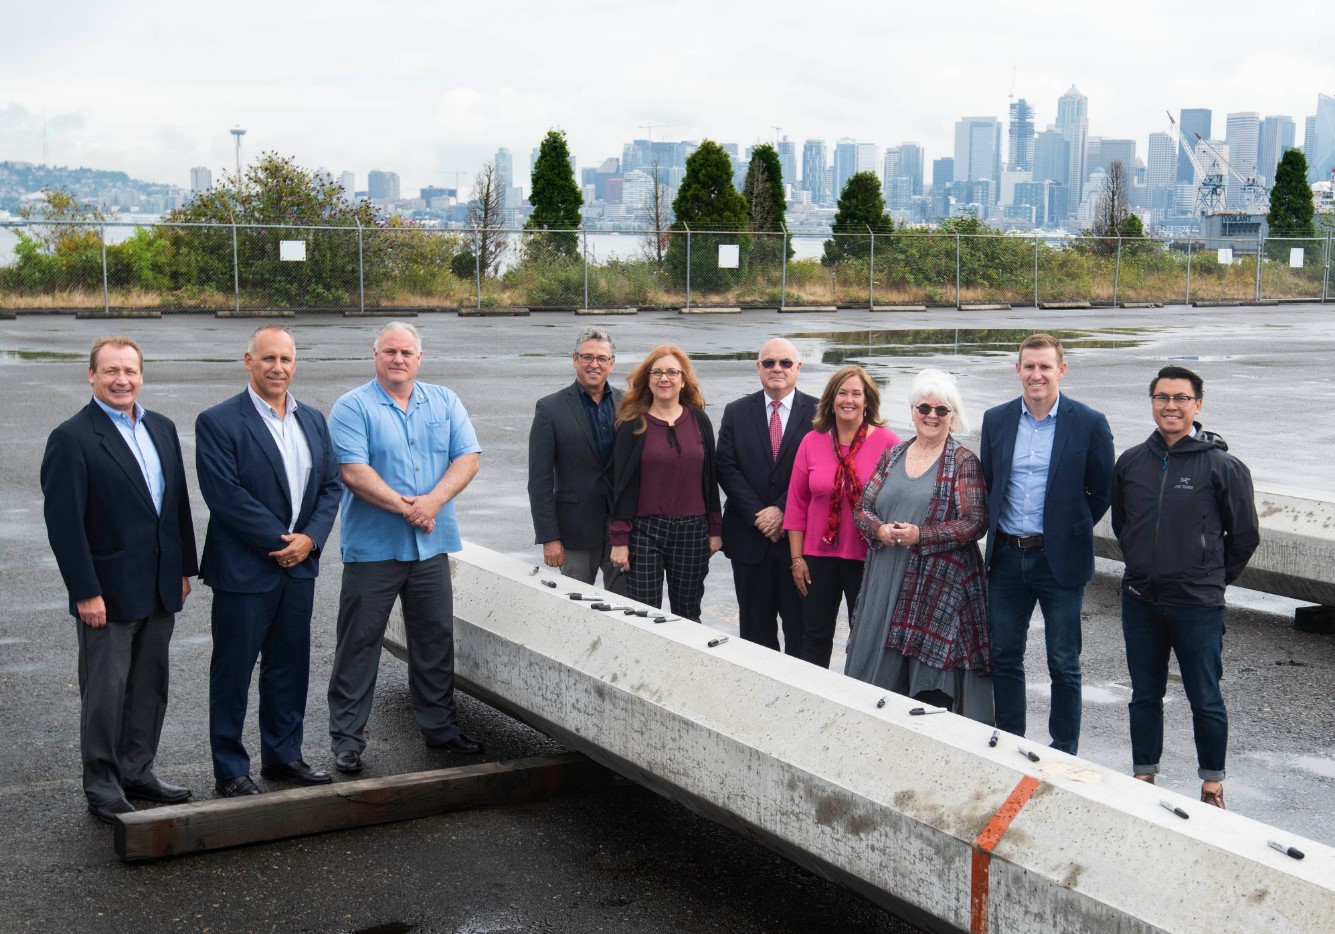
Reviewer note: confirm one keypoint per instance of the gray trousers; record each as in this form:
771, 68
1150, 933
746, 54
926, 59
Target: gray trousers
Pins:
123, 698
368, 594
584, 566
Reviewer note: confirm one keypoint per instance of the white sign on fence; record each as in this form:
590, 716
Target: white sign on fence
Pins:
729, 256
292, 251
1296, 257
1225, 256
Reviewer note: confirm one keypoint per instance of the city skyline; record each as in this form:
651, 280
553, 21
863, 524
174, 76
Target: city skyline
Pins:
121, 88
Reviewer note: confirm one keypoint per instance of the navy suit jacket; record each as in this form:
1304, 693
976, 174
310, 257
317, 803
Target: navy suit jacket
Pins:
107, 538
250, 505
747, 474
1079, 482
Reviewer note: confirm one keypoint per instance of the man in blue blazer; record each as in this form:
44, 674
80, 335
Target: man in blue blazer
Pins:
1048, 463
268, 473
757, 441
118, 518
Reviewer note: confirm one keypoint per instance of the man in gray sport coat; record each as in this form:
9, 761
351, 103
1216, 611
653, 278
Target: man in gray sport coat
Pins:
570, 465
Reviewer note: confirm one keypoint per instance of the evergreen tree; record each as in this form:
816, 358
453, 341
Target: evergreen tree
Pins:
1291, 207
861, 207
706, 202
765, 203
555, 197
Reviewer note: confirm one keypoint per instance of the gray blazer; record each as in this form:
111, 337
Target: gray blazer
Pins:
569, 488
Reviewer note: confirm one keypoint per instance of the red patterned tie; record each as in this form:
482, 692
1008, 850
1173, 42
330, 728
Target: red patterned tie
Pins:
775, 431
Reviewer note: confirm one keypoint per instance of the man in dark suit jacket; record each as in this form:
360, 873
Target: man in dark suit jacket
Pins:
118, 518
268, 473
757, 442
570, 465
1048, 464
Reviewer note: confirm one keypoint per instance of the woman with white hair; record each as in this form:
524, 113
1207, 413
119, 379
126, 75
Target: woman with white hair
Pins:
921, 622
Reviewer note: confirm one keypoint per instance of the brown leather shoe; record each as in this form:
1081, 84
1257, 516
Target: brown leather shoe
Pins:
1147, 778
1215, 798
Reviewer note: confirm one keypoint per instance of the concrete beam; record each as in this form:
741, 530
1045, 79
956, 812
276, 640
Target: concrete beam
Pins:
1296, 557
917, 814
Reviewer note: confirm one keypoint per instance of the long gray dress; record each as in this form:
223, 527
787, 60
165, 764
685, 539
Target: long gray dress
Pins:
903, 499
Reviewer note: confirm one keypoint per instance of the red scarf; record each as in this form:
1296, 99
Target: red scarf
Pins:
846, 482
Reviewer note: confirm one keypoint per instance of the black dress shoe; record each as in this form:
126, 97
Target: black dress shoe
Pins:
237, 787
158, 791
349, 760
461, 744
106, 813
297, 771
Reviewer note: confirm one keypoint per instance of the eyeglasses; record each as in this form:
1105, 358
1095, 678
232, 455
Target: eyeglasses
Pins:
599, 359
1163, 399
924, 409
664, 374
769, 363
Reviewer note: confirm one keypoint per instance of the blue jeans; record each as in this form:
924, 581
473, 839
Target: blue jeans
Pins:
1195, 634
1019, 579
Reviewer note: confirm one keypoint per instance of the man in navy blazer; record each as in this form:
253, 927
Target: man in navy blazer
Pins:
1048, 464
757, 442
118, 518
268, 473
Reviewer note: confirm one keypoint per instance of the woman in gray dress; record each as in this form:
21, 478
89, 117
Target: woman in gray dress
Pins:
920, 627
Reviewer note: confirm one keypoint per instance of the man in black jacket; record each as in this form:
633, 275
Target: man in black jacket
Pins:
1185, 518
570, 465
117, 512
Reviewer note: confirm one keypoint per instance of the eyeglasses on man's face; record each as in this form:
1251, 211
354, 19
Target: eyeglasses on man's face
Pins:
924, 409
1161, 398
770, 363
600, 359
664, 374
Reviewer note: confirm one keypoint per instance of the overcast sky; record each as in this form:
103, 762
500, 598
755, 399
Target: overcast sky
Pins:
426, 89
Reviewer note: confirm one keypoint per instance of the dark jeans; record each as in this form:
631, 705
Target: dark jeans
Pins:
368, 594
1195, 634
833, 580
1019, 578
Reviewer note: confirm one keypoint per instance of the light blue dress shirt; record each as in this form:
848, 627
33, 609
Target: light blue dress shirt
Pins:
292, 447
1022, 509
141, 446
410, 451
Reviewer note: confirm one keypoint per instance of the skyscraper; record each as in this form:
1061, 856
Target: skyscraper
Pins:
1115, 150
1321, 157
505, 173
911, 164
1191, 121
889, 168
978, 153
200, 178
1052, 158
1243, 136
1073, 124
866, 161
1277, 132
1161, 169
943, 173
814, 164
348, 182
382, 186
788, 161
1020, 155
845, 165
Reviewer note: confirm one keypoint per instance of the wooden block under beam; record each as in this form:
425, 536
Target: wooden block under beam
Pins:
226, 822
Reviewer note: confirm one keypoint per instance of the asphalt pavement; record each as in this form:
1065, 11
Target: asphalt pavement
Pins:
626, 860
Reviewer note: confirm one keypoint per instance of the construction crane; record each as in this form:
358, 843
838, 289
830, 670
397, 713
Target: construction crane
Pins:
1210, 197
1253, 189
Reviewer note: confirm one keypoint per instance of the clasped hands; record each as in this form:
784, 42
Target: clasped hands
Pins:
769, 523
420, 511
298, 549
897, 534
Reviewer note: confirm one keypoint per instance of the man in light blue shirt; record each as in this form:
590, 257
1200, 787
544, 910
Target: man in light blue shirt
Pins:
405, 450
1048, 462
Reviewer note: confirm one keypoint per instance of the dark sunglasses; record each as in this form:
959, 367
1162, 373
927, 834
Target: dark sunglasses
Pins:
769, 363
924, 409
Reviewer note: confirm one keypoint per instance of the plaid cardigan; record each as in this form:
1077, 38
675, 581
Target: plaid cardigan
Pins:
940, 616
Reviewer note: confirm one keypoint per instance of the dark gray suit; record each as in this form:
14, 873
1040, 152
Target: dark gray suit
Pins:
569, 486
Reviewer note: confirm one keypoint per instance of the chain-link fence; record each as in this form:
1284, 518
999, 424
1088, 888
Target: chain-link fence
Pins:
186, 267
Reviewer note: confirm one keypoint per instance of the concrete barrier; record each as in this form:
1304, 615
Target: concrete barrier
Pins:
916, 814
1296, 557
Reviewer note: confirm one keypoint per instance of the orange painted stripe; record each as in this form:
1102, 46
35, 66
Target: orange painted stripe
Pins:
985, 843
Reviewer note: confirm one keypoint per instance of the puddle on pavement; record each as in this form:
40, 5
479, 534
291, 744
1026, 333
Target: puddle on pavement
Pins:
1316, 765
39, 356
849, 346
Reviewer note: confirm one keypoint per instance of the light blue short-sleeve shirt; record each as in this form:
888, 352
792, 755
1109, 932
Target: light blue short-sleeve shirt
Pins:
410, 450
